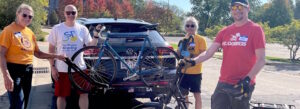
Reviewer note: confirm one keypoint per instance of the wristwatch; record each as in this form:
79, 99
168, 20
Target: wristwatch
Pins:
96, 37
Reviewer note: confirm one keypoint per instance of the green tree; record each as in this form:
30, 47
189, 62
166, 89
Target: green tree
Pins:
8, 13
215, 12
279, 13
289, 36
53, 18
213, 31
138, 7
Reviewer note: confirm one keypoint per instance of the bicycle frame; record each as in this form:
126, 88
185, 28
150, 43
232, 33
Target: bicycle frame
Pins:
107, 45
165, 99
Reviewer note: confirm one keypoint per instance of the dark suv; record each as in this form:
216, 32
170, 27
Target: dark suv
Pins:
122, 45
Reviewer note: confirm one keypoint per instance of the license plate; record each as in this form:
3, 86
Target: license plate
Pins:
130, 63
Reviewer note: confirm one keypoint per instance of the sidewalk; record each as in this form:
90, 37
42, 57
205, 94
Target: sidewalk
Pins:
41, 92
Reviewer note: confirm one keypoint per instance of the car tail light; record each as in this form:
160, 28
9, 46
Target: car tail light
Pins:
91, 51
164, 51
171, 47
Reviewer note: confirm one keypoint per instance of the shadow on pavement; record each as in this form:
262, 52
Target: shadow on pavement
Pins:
284, 66
111, 100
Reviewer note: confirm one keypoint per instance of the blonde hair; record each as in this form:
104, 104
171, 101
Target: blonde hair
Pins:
22, 7
193, 19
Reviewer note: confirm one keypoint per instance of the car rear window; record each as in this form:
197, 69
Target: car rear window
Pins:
121, 27
154, 36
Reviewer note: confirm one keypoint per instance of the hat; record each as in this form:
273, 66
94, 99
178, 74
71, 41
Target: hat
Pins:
241, 2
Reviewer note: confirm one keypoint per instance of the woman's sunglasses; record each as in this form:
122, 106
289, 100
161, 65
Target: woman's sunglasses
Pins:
188, 26
70, 12
29, 16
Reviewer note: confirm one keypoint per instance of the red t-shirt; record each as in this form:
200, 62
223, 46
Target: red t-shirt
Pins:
239, 45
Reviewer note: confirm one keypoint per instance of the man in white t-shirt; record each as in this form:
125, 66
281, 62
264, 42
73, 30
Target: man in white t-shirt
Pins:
65, 39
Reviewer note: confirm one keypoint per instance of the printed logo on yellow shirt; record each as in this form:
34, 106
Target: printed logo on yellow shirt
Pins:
70, 36
25, 42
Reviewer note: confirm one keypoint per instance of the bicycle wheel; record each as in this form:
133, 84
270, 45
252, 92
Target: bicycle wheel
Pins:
99, 75
174, 100
156, 63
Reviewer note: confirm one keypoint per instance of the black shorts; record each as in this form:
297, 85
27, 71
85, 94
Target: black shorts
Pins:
191, 82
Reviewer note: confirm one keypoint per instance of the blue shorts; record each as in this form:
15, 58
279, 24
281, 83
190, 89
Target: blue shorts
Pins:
190, 83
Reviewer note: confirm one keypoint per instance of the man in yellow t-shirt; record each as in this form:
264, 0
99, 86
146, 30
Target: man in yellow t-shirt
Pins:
190, 46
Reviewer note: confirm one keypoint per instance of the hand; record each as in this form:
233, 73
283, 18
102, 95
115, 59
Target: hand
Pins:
8, 82
186, 63
99, 28
244, 86
61, 57
54, 73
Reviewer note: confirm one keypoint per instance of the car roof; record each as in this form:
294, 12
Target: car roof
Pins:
87, 21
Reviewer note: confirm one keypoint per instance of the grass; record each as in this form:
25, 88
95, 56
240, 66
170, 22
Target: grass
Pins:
174, 46
281, 60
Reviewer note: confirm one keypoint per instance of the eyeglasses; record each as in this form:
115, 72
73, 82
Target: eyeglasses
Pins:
70, 12
237, 7
188, 26
29, 16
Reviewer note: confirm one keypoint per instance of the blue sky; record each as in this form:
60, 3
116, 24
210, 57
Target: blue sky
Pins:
185, 5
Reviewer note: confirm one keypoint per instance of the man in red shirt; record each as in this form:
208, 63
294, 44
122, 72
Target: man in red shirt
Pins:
243, 44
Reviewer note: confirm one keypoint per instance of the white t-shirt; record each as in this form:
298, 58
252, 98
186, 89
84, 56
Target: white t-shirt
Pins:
67, 41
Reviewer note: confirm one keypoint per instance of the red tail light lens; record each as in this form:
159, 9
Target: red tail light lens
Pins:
91, 51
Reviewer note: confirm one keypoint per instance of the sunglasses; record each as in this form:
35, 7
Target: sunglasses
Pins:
237, 7
70, 12
29, 16
188, 26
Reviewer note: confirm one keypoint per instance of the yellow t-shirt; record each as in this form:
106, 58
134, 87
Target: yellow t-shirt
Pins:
20, 43
200, 46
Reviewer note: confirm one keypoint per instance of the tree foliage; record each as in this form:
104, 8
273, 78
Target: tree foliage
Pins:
8, 13
215, 12
288, 35
169, 17
99, 8
53, 18
213, 31
278, 13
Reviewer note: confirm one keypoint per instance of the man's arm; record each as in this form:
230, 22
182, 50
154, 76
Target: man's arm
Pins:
93, 42
208, 54
260, 62
96, 35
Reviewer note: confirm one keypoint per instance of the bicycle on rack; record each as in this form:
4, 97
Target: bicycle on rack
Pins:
101, 63
174, 93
